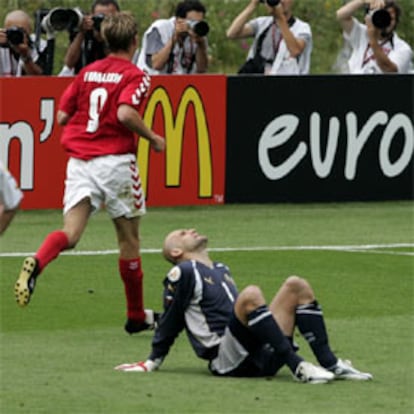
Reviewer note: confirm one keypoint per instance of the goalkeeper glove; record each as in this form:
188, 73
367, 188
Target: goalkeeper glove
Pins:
146, 366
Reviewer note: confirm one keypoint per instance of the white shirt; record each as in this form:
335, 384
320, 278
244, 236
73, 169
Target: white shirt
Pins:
275, 46
362, 59
182, 55
10, 66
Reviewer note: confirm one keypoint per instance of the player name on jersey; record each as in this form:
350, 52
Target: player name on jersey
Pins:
102, 77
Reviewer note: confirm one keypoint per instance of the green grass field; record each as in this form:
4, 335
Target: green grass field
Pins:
58, 354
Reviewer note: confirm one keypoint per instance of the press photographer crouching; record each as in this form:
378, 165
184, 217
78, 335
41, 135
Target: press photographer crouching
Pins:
376, 47
19, 55
86, 43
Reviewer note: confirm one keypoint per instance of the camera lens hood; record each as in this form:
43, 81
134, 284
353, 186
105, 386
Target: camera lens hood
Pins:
381, 18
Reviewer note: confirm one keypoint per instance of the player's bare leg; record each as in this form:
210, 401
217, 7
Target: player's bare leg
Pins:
75, 221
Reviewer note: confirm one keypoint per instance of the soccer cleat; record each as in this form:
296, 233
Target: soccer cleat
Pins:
312, 374
25, 284
150, 323
343, 369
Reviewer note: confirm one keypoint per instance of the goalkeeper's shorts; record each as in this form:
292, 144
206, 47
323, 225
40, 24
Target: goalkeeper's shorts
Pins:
241, 355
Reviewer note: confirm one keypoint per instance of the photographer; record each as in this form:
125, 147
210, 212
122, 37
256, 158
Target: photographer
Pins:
87, 44
177, 45
282, 43
18, 55
376, 48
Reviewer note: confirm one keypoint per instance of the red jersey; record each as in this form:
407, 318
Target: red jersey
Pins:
92, 101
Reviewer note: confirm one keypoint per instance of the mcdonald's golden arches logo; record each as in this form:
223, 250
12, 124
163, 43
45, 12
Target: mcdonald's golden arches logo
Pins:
174, 135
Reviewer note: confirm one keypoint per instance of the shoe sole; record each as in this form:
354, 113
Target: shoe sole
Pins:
21, 288
353, 377
319, 381
314, 380
138, 328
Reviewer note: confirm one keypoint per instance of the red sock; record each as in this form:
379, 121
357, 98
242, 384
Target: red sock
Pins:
131, 274
53, 244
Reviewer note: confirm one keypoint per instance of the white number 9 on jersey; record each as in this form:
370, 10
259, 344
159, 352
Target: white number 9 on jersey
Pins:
97, 100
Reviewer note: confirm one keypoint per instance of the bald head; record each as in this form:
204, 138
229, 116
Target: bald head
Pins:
183, 244
18, 18
170, 243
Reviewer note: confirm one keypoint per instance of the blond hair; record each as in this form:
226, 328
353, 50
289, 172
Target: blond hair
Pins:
119, 31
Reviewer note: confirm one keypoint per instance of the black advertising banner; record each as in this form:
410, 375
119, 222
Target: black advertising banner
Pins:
319, 138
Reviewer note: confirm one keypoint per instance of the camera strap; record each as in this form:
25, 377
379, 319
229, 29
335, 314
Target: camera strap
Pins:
170, 62
369, 56
276, 44
14, 62
187, 58
191, 63
260, 40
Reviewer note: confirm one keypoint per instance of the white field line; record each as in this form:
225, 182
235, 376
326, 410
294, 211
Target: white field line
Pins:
362, 248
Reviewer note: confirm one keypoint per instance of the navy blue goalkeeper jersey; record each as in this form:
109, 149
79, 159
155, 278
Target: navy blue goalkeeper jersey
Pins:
200, 301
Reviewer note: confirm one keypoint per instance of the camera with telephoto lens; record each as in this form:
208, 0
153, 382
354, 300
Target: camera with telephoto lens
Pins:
59, 19
271, 3
15, 35
199, 27
380, 18
97, 20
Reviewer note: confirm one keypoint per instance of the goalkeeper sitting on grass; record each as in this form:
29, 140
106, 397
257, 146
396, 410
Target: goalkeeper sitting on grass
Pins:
238, 333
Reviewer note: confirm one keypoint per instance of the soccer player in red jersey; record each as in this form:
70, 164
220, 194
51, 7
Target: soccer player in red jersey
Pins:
100, 115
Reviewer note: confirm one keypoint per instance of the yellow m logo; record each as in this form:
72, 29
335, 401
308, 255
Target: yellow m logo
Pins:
174, 129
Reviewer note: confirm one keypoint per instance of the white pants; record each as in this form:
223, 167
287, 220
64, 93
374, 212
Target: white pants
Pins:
112, 180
